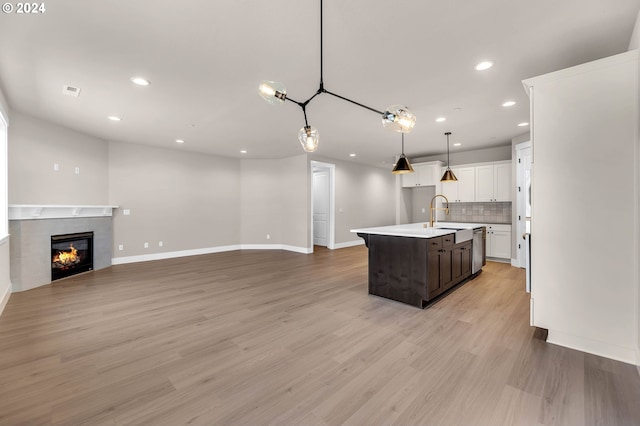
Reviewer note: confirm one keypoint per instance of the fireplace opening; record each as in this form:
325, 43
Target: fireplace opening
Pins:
71, 254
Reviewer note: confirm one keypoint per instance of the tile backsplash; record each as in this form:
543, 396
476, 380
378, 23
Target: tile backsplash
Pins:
497, 212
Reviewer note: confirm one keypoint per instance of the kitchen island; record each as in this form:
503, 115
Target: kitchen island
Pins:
415, 264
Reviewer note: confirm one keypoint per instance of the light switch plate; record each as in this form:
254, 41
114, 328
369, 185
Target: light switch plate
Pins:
126, 212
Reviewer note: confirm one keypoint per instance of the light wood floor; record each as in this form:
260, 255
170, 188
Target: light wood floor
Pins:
271, 337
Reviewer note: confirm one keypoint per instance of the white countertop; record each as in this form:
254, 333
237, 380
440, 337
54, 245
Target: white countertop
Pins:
416, 230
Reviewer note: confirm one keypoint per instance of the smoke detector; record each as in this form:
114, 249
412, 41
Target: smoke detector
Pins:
71, 91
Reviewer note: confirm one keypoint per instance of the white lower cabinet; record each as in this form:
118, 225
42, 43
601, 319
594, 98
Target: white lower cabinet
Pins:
499, 241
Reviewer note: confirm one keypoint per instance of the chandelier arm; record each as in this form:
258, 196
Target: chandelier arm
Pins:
353, 102
314, 95
304, 111
291, 100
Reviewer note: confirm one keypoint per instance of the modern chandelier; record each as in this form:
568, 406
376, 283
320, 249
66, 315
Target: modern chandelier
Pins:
397, 117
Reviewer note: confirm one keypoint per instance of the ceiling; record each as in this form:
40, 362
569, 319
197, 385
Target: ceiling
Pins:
205, 61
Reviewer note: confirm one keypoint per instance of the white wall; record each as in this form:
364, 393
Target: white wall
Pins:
36, 145
485, 155
585, 206
365, 197
275, 203
5, 280
634, 43
187, 200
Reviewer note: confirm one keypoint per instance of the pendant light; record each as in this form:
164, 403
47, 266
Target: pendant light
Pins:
402, 165
448, 174
397, 118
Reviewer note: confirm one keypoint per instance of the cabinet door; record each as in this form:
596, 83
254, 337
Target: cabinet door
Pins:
466, 184
502, 182
425, 175
461, 263
410, 179
433, 274
446, 272
467, 255
456, 264
485, 183
450, 189
500, 244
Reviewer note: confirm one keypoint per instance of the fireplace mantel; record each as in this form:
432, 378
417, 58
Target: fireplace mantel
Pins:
52, 211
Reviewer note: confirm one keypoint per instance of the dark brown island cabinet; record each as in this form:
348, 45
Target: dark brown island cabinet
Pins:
416, 270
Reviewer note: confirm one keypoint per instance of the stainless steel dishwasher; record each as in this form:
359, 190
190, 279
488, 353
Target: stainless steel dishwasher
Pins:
479, 249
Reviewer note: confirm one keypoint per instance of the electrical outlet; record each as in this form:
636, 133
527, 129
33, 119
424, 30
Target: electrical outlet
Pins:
126, 212
160, 244
121, 247
268, 237
77, 170
56, 167
424, 210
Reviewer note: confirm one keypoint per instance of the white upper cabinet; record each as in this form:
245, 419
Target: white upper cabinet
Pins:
463, 190
484, 182
493, 182
502, 181
425, 174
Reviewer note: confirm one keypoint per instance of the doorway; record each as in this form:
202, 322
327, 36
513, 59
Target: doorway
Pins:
322, 204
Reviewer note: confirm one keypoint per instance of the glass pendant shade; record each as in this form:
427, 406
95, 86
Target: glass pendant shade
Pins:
399, 119
448, 176
402, 166
272, 92
309, 138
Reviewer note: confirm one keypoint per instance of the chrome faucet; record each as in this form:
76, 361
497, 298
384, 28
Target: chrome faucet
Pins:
432, 209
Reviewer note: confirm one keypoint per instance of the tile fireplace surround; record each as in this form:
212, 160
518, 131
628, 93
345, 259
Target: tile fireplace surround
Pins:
31, 228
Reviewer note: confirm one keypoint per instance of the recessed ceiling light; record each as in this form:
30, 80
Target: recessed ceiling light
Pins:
140, 81
523, 124
243, 151
457, 144
179, 141
484, 65
440, 119
352, 155
114, 118
509, 103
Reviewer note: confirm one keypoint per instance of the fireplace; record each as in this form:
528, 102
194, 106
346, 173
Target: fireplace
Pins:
71, 254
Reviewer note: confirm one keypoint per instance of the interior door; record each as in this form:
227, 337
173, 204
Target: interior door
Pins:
320, 207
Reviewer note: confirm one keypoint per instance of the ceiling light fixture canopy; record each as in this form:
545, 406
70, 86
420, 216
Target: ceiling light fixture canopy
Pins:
397, 117
402, 165
448, 174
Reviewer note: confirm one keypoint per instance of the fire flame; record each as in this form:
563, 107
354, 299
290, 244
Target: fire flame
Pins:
67, 257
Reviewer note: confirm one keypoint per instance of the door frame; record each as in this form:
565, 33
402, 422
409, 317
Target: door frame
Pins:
520, 204
331, 168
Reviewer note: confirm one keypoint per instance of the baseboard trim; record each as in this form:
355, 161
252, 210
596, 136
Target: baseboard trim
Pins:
499, 259
516, 264
208, 250
303, 250
607, 350
5, 299
346, 244
172, 254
